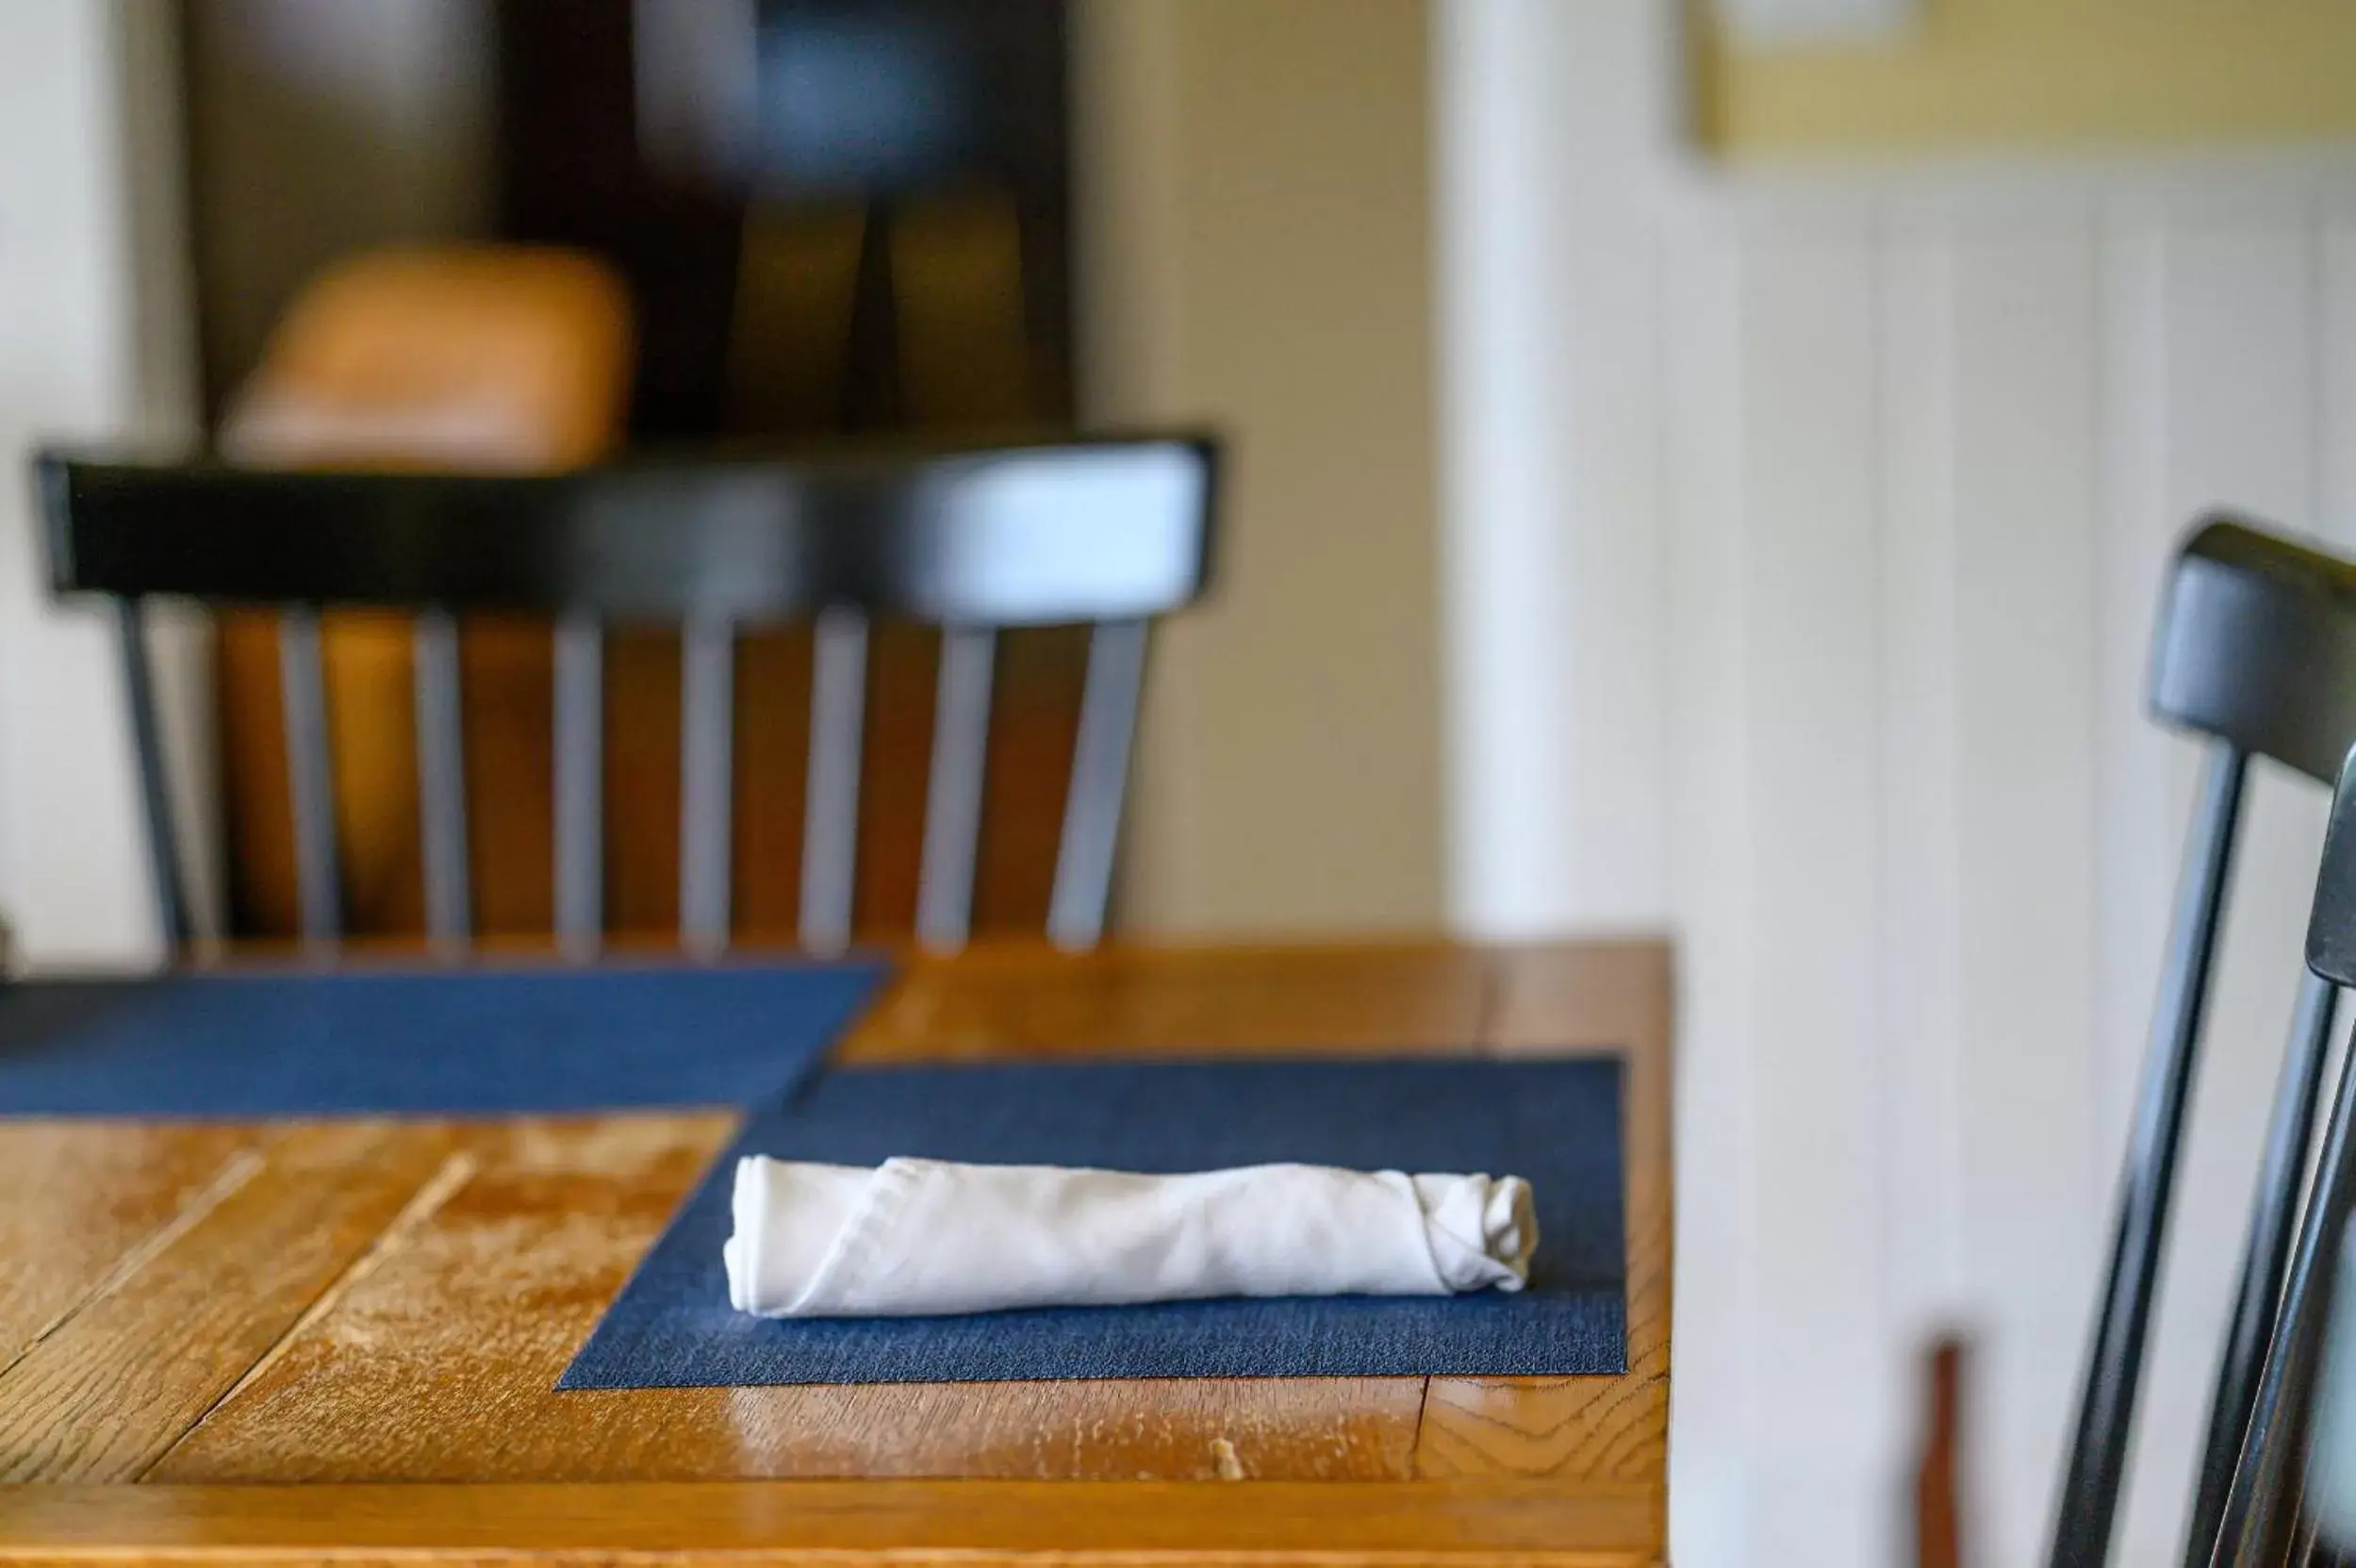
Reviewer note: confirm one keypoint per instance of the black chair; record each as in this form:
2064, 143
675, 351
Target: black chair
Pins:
2266, 1494
1109, 532
2256, 649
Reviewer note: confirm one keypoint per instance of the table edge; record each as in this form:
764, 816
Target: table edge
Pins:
1467, 1520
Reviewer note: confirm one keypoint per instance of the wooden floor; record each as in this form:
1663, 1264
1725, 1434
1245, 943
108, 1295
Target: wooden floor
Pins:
293, 1340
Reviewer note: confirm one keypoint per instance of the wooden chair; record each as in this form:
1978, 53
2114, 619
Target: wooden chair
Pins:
1110, 533
2256, 651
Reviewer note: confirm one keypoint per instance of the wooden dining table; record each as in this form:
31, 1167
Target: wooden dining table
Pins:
339, 1340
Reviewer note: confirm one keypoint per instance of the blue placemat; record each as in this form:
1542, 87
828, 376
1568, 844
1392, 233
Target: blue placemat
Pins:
462, 1042
1554, 1122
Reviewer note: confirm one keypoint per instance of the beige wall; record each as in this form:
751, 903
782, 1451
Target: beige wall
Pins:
1255, 186
2046, 72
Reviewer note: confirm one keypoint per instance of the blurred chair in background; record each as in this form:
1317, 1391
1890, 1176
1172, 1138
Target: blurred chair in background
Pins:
520, 360
1106, 535
483, 359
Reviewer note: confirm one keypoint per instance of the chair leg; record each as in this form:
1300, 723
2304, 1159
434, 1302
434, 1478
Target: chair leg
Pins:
1937, 1504
2264, 1262
2261, 1503
2097, 1457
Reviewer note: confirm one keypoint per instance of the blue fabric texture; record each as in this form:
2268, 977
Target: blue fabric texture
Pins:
455, 1042
1555, 1122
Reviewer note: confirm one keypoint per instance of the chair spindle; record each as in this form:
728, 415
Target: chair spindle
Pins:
442, 779
310, 774
954, 792
579, 744
1100, 759
707, 723
830, 841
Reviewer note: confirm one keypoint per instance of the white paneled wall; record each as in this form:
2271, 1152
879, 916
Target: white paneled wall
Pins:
1935, 446
1862, 482
1968, 426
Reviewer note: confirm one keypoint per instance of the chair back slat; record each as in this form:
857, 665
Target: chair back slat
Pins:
147, 751
830, 840
310, 775
578, 744
953, 792
707, 703
442, 779
1100, 759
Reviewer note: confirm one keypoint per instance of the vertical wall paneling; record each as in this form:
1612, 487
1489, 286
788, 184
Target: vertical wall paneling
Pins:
1927, 435
1807, 375
2141, 774
1617, 752
1921, 867
2022, 486
1716, 1414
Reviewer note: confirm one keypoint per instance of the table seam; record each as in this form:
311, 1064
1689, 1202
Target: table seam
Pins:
224, 1185
454, 1173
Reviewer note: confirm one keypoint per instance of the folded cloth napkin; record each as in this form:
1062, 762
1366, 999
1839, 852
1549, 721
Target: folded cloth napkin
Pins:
914, 1237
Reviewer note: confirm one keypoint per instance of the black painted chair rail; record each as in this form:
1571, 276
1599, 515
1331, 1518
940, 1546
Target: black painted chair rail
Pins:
1078, 531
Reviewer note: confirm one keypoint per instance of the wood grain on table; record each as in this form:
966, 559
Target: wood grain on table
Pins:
290, 1338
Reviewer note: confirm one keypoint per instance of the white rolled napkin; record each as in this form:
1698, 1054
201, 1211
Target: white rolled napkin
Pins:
916, 1237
